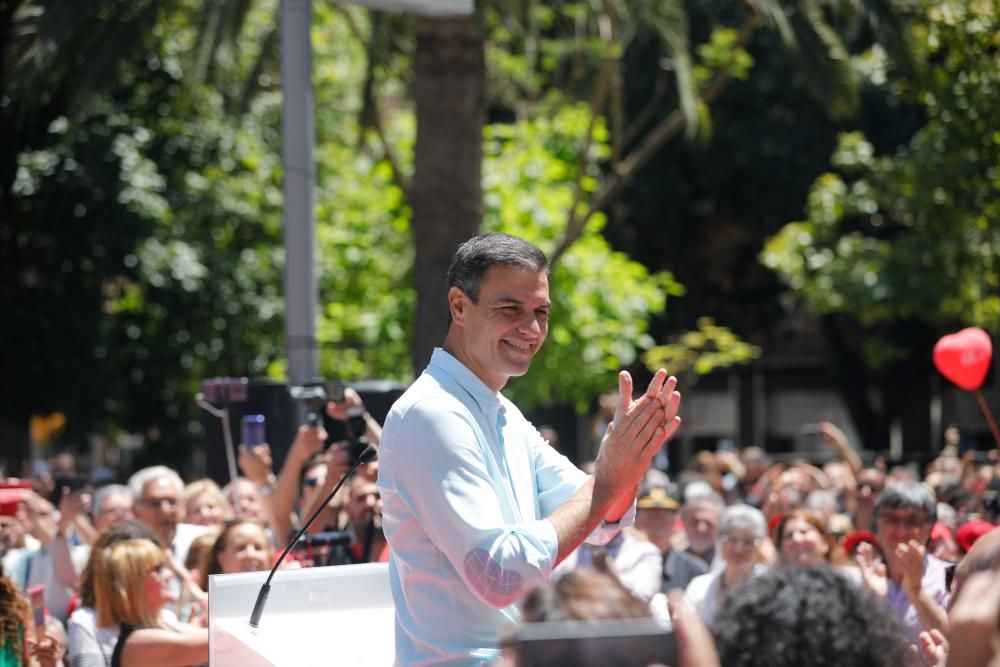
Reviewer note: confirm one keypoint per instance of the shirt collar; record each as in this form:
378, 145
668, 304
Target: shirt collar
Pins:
487, 399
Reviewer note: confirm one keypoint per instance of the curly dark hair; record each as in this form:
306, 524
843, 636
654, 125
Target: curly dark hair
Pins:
14, 609
792, 616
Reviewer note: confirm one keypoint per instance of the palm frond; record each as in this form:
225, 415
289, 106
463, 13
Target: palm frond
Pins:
886, 19
669, 20
74, 47
821, 57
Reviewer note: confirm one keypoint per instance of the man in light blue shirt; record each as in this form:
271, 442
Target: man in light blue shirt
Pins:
477, 508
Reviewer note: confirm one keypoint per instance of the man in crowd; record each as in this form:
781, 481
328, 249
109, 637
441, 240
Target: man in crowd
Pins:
157, 491
656, 515
53, 563
916, 587
477, 508
871, 481
700, 516
364, 512
111, 504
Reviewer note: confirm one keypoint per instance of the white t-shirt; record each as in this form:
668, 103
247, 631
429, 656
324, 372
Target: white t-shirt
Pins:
88, 645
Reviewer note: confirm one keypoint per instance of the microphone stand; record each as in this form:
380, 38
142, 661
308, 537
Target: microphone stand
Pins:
258, 608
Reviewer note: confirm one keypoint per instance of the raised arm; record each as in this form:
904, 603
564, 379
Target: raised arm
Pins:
632, 439
836, 438
308, 442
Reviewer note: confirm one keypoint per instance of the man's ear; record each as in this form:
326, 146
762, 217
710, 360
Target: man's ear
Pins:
457, 301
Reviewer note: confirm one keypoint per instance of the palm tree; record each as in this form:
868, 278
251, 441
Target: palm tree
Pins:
448, 89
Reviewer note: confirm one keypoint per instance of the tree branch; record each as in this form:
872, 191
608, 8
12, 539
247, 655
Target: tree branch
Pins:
659, 89
390, 153
663, 132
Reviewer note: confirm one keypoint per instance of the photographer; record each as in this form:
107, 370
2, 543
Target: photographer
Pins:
309, 473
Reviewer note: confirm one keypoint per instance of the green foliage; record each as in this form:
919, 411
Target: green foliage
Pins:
708, 348
913, 234
602, 300
721, 50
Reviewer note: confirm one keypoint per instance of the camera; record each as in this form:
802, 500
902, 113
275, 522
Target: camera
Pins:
356, 427
315, 395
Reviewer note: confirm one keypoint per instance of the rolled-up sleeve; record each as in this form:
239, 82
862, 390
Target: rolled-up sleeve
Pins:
451, 483
557, 479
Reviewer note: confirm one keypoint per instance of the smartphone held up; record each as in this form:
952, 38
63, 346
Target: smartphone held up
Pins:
253, 430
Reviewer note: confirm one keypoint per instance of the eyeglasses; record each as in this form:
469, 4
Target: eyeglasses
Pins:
741, 542
871, 486
904, 521
156, 503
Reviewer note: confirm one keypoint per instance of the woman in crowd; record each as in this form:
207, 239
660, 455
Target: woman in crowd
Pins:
205, 504
742, 530
802, 539
131, 582
242, 546
88, 645
14, 617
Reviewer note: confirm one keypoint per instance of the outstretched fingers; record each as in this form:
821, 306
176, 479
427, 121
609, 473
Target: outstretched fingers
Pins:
624, 395
657, 383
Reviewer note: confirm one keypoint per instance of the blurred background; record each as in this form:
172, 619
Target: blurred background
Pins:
786, 203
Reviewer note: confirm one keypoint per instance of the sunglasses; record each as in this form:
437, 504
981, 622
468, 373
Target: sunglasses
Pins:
311, 482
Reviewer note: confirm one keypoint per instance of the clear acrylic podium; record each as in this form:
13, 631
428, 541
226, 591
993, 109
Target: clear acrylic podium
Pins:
340, 615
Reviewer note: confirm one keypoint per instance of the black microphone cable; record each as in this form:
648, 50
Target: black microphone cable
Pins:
258, 608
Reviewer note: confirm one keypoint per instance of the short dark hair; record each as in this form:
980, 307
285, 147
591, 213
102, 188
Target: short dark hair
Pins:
908, 494
475, 256
790, 616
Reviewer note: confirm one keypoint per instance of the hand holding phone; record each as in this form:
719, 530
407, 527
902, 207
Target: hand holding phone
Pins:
36, 594
253, 430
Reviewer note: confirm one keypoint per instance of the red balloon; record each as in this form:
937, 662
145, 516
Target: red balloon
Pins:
964, 357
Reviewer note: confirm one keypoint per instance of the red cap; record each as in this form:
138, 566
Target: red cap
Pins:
940, 532
12, 493
859, 536
970, 532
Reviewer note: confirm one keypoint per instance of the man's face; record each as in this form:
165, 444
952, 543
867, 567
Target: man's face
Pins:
160, 509
701, 523
658, 524
312, 483
40, 516
245, 496
502, 332
900, 525
115, 507
365, 504
10, 533
870, 485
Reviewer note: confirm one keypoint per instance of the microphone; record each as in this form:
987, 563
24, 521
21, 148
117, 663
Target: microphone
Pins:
258, 608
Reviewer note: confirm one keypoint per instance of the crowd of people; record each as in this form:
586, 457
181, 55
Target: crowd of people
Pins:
783, 563
120, 571
794, 563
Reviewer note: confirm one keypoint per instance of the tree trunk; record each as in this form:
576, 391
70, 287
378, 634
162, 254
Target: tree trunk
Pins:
450, 94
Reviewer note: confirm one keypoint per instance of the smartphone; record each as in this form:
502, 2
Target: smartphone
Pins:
253, 430
36, 594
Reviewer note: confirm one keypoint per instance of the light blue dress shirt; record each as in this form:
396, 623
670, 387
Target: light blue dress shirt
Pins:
466, 484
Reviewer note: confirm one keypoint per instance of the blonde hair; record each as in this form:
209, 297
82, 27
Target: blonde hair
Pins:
201, 487
119, 579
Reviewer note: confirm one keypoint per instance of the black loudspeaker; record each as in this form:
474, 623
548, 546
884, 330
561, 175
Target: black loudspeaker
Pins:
272, 400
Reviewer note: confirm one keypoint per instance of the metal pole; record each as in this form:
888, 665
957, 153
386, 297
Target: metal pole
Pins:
299, 176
